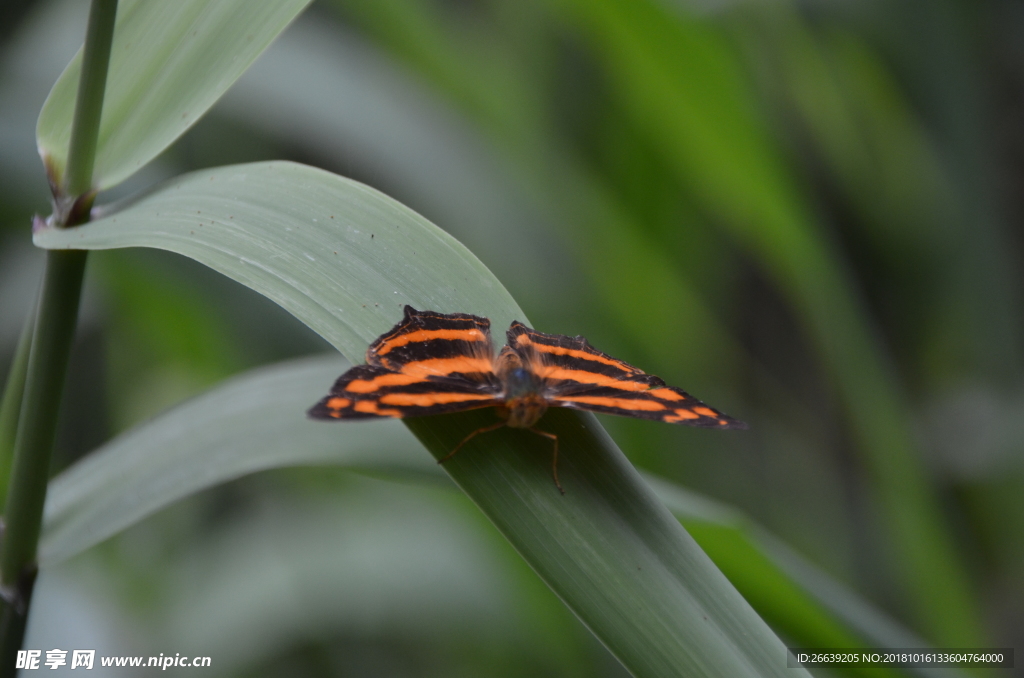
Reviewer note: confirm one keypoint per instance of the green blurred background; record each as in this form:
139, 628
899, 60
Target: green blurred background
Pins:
804, 213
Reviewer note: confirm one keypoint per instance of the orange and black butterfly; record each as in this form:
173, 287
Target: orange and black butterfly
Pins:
433, 363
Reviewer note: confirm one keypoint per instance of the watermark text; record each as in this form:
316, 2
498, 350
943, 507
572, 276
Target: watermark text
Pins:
86, 659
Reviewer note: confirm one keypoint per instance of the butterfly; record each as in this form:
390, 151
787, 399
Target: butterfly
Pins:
435, 363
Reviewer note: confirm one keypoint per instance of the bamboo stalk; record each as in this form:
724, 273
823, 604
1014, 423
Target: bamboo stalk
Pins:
51, 347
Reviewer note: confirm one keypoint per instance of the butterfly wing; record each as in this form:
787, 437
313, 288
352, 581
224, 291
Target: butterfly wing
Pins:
429, 363
574, 374
426, 337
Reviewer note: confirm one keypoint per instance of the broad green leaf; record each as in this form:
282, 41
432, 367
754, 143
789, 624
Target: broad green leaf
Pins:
607, 547
253, 422
344, 258
169, 63
340, 256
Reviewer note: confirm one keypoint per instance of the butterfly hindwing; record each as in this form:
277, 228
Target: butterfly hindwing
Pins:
372, 392
341, 404
664, 403
429, 363
574, 374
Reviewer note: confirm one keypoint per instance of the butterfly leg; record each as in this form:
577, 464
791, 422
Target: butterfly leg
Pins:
554, 457
465, 440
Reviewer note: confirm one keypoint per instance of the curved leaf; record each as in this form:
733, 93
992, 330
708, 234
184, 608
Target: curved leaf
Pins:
170, 61
608, 547
343, 258
340, 256
250, 423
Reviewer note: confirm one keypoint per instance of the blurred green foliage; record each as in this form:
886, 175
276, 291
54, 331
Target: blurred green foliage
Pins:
804, 213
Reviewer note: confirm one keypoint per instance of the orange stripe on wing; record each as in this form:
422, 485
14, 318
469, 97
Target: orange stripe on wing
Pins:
419, 371
375, 384
618, 403
595, 378
666, 394
441, 367
428, 399
418, 336
680, 415
370, 407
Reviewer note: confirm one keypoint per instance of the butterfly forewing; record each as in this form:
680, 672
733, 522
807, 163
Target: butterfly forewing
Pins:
570, 363
436, 343
574, 374
429, 363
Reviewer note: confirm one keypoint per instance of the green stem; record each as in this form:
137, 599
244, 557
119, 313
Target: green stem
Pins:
51, 347
37, 426
85, 129
10, 406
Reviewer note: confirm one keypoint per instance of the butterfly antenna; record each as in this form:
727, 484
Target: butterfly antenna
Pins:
465, 440
554, 457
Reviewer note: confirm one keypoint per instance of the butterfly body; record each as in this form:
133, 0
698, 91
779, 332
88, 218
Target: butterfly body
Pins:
435, 363
521, 391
